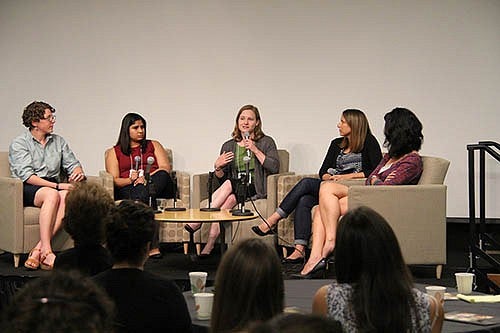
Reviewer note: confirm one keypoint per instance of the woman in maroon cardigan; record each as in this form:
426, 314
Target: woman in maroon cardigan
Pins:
401, 165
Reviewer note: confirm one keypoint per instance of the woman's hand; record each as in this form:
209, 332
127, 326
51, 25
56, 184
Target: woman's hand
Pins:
140, 180
76, 177
249, 144
223, 160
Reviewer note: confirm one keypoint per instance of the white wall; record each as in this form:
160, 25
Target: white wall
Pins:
187, 67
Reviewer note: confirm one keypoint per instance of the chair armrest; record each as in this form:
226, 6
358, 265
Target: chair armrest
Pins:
11, 215
200, 189
353, 182
107, 182
272, 191
184, 187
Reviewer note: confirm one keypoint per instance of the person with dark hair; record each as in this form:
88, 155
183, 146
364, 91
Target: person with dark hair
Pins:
88, 211
402, 165
42, 159
129, 160
297, 323
248, 287
145, 302
374, 290
248, 145
353, 155
63, 301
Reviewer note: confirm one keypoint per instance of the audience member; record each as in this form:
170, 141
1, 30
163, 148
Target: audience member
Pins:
88, 210
353, 155
63, 301
248, 287
297, 323
401, 165
129, 160
374, 290
145, 302
40, 158
249, 146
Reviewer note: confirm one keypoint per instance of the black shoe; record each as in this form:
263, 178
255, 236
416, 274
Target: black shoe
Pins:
293, 261
261, 233
156, 256
319, 267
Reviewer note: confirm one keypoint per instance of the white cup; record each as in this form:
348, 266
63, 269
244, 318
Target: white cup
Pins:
161, 204
436, 291
203, 302
464, 282
198, 281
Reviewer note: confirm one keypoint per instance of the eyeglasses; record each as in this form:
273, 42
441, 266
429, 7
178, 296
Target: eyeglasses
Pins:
50, 118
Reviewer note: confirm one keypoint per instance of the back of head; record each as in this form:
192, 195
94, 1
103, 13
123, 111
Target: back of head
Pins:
368, 256
59, 302
88, 210
130, 231
248, 286
403, 132
298, 323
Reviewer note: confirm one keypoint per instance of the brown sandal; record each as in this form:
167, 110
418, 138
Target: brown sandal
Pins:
45, 266
32, 262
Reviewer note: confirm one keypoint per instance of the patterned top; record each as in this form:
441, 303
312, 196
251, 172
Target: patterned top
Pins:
339, 296
348, 163
406, 171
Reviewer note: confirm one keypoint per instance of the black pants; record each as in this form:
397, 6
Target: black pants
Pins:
163, 188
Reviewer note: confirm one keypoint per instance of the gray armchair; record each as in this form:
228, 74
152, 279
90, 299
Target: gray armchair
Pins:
264, 206
19, 229
417, 213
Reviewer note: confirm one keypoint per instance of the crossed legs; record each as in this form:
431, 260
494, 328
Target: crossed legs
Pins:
222, 198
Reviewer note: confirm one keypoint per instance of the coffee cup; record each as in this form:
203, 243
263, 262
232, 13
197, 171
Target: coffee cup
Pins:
436, 291
203, 302
464, 282
198, 281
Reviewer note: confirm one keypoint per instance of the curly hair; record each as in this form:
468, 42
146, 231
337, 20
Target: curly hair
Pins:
249, 286
88, 211
35, 111
403, 132
257, 132
131, 229
64, 301
124, 136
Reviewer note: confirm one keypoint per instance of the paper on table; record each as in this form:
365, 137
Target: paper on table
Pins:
479, 298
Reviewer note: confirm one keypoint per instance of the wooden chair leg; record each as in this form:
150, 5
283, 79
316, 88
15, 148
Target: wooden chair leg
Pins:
17, 257
439, 271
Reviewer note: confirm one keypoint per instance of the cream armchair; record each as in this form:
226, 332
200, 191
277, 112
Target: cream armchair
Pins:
241, 230
19, 229
417, 213
170, 232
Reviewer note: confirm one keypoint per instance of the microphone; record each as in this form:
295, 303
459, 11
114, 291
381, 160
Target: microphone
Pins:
331, 171
137, 159
246, 136
210, 191
150, 188
150, 162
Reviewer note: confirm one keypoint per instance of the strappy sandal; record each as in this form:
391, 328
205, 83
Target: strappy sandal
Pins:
44, 265
32, 262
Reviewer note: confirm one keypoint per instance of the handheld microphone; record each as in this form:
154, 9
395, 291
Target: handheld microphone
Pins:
246, 136
137, 159
331, 171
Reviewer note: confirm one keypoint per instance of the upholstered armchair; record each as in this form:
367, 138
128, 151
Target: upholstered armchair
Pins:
241, 230
19, 229
170, 232
417, 213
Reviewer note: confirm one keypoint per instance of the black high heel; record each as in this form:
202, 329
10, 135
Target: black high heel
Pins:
321, 266
261, 233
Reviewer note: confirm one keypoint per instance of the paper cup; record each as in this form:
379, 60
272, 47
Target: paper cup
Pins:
198, 281
464, 282
203, 302
436, 291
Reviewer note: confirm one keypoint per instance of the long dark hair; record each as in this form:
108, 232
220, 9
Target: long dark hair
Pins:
248, 286
124, 136
368, 257
360, 128
403, 132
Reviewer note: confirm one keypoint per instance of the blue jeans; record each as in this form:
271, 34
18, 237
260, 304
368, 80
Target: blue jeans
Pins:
302, 197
